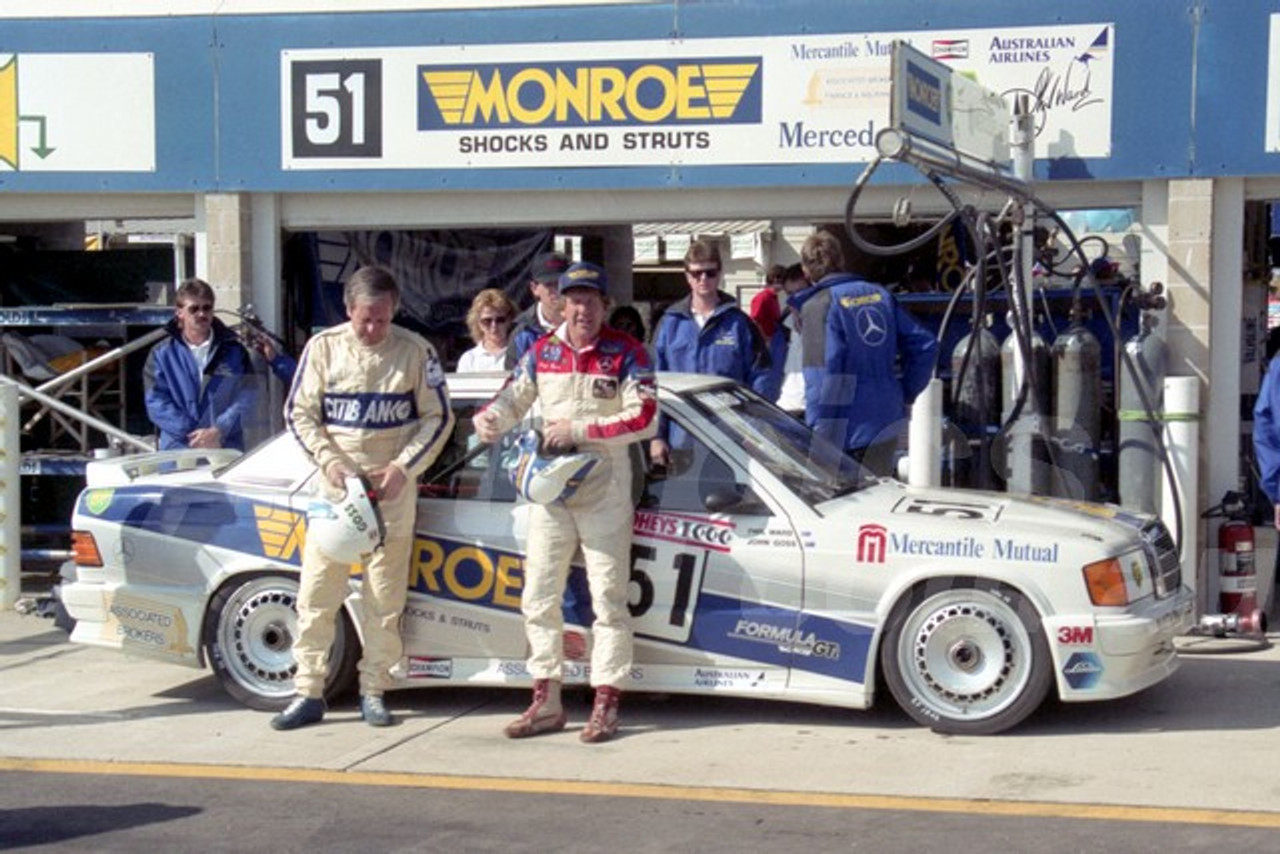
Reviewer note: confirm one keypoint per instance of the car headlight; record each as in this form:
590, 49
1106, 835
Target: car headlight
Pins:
1118, 581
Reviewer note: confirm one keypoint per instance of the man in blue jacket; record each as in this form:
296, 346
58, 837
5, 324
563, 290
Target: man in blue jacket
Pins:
706, 333
547, 311
199, 387
1266, 450
865, 357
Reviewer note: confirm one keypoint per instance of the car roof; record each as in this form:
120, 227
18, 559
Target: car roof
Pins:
477, 384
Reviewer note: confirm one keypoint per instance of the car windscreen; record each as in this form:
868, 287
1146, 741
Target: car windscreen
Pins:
810, 466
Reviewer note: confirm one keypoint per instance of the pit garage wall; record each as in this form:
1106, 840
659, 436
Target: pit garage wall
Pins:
180, 109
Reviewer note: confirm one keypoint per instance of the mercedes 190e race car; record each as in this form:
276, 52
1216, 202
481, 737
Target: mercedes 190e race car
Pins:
765, 564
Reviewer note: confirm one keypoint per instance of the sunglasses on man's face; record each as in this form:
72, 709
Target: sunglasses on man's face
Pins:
202, 308
710, 273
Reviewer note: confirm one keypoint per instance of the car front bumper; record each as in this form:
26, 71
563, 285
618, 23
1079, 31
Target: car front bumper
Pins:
1101, 656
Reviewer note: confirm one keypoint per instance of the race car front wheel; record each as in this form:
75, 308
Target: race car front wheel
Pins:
249, 634
966, 657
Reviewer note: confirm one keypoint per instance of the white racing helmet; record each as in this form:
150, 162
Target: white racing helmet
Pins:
544, 478
349, 528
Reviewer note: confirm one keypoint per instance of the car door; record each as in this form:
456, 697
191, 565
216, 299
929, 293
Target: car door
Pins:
467, 566
716, 573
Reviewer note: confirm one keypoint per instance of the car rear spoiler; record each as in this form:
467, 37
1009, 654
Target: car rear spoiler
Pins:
115, 471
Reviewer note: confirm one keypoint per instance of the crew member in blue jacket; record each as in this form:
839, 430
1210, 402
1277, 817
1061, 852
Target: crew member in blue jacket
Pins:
865, 357
547, 312
199, 384
706, 333
1266, 438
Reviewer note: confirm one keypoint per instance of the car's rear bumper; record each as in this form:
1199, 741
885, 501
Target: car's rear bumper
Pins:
134, 620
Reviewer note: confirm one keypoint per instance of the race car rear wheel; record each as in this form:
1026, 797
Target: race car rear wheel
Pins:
249, 636
966, 657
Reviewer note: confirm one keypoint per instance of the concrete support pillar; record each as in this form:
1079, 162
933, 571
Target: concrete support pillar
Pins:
10, 497
1205, 283
789, 236
226, 228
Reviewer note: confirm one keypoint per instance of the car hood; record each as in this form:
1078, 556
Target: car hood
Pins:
992, 522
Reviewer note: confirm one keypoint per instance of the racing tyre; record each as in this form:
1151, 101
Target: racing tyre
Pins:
966, 657
248, 637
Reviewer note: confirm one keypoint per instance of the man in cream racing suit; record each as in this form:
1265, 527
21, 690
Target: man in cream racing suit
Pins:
596, 392
369, 398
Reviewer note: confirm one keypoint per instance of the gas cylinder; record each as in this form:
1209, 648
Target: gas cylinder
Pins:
1011, 374
1027, 462
1138, 459
975, 386
1077, 410
975, 398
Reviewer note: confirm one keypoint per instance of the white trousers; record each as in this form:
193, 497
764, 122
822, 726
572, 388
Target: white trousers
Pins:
598, 518
325, 586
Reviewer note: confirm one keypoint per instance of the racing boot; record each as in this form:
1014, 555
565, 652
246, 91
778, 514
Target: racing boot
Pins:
604, 716
374, 711
302, 711
545, 713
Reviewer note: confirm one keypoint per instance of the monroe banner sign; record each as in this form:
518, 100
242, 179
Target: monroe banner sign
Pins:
782, 99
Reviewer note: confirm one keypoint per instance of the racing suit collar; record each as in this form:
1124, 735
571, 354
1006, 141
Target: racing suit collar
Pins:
561, 332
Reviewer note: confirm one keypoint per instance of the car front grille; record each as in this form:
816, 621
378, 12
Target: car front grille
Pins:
1162, 556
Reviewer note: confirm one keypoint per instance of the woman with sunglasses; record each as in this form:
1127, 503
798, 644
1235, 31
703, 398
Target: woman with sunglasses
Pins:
489, 322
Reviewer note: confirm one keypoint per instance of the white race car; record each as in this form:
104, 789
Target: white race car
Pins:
764, 564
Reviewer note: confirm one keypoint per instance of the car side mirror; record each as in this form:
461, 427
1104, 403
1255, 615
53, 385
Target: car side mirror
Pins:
739, 500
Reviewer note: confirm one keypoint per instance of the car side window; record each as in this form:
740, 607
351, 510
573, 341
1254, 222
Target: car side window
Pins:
699, 481
466, 469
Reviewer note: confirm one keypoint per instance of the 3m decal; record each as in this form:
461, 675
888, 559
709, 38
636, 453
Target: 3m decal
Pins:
1075, 635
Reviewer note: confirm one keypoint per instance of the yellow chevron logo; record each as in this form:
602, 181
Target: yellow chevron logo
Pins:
282, 532
633, 92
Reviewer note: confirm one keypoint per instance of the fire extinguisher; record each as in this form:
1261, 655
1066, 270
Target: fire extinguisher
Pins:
1237, 573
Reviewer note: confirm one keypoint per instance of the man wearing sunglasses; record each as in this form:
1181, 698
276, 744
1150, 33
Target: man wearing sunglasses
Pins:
199, 388
706, 333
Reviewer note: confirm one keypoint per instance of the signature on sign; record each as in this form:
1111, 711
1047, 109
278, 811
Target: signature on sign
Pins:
1069, 91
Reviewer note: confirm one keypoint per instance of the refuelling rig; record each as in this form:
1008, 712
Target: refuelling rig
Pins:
1053, 371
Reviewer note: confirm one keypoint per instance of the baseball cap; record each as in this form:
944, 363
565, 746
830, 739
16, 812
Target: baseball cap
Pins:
548, 266
584, 275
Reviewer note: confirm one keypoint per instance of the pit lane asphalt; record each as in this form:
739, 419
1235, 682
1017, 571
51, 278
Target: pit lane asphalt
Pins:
1200, 747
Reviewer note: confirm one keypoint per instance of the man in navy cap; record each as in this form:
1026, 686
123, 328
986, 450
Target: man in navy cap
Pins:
596, 392
547, 310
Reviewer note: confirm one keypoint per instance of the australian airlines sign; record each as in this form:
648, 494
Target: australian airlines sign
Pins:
784, 99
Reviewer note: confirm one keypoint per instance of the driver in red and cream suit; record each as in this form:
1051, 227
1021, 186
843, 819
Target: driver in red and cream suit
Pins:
596, 393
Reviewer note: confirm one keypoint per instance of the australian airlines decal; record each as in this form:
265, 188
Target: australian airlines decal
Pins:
812, 98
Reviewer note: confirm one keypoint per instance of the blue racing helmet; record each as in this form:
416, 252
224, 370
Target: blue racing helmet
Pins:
546, 478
